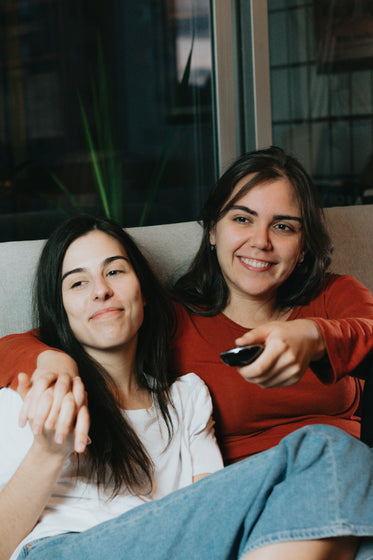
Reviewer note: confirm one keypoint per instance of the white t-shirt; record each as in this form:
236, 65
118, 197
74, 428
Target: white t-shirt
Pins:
76, 505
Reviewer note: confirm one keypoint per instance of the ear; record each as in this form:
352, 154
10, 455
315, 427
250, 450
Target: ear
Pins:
301, 257
212, 236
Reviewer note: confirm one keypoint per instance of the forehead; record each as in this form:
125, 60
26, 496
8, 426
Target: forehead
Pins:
273, 192
92, 248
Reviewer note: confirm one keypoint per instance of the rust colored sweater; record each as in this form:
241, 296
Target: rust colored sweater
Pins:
248, 418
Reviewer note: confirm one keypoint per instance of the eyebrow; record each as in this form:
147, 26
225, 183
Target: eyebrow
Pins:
275, 217
105, 262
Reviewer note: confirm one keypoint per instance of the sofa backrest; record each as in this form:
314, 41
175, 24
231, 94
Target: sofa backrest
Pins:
170, 248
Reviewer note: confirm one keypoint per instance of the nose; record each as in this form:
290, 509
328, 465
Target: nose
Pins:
260, 238
102, 289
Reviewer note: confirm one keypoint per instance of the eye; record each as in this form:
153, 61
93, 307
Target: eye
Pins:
285, 228
115, 272
77, 284
241, 219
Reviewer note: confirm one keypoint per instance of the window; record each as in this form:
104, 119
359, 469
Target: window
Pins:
321, 71
105, 108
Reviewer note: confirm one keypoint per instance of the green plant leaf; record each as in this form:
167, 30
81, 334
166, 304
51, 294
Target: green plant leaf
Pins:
94, 158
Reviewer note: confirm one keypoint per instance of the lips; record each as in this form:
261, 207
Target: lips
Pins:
106, 312
256, 264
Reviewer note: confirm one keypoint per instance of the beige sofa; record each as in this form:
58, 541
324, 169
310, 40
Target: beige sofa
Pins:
170, 248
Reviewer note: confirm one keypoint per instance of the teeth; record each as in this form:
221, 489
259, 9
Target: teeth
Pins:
255, 264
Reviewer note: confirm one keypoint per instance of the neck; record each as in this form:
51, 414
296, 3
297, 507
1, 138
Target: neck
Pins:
120, 364
251, 313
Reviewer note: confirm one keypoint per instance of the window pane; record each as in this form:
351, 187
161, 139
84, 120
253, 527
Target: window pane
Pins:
321, 57
103, 111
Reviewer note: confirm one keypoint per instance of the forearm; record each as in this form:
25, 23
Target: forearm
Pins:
346, 324
347, 342
24, 497
18, 353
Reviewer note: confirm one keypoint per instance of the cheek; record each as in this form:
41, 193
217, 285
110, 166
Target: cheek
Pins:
291, 259
73, 309
135, 300
227, 245
66, 305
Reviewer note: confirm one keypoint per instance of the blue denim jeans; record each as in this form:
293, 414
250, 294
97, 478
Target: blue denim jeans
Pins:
318, 482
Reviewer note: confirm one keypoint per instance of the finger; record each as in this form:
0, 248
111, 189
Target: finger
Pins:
41, 412
285, 379
248, 338
255, 336
24, 384
82, 429
62, 387
24, 414
66, 419
278, 377
41, 381
79, 392
263, 367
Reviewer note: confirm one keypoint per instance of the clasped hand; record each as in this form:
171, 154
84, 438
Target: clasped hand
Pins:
56, 408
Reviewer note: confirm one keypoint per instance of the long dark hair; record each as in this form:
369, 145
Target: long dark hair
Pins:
116, 455
203, 288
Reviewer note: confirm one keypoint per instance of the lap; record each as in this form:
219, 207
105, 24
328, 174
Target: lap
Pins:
314, 484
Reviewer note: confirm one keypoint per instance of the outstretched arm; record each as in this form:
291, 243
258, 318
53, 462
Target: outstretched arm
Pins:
332, 338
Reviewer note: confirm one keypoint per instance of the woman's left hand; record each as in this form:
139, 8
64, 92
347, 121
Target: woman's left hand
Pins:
290, 346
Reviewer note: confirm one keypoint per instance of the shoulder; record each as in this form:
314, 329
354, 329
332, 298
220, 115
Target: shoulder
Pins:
335, 280
189, 385
340, 295
192, 402
343, 285
190, 392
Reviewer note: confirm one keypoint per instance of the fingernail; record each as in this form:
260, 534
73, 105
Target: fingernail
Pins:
59, 438
79, 448
36, 430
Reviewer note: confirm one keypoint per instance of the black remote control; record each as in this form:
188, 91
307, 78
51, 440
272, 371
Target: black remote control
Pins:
242, 355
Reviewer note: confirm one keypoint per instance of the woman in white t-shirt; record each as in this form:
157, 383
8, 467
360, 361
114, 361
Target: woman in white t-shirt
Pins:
150, 435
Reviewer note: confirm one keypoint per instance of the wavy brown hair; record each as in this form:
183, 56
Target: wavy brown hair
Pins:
203, 288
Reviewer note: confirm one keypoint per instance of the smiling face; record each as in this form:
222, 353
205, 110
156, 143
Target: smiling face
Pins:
101, 294
259, 240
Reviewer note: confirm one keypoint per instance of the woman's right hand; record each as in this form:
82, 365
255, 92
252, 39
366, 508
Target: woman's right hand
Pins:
290, 346
49, 395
